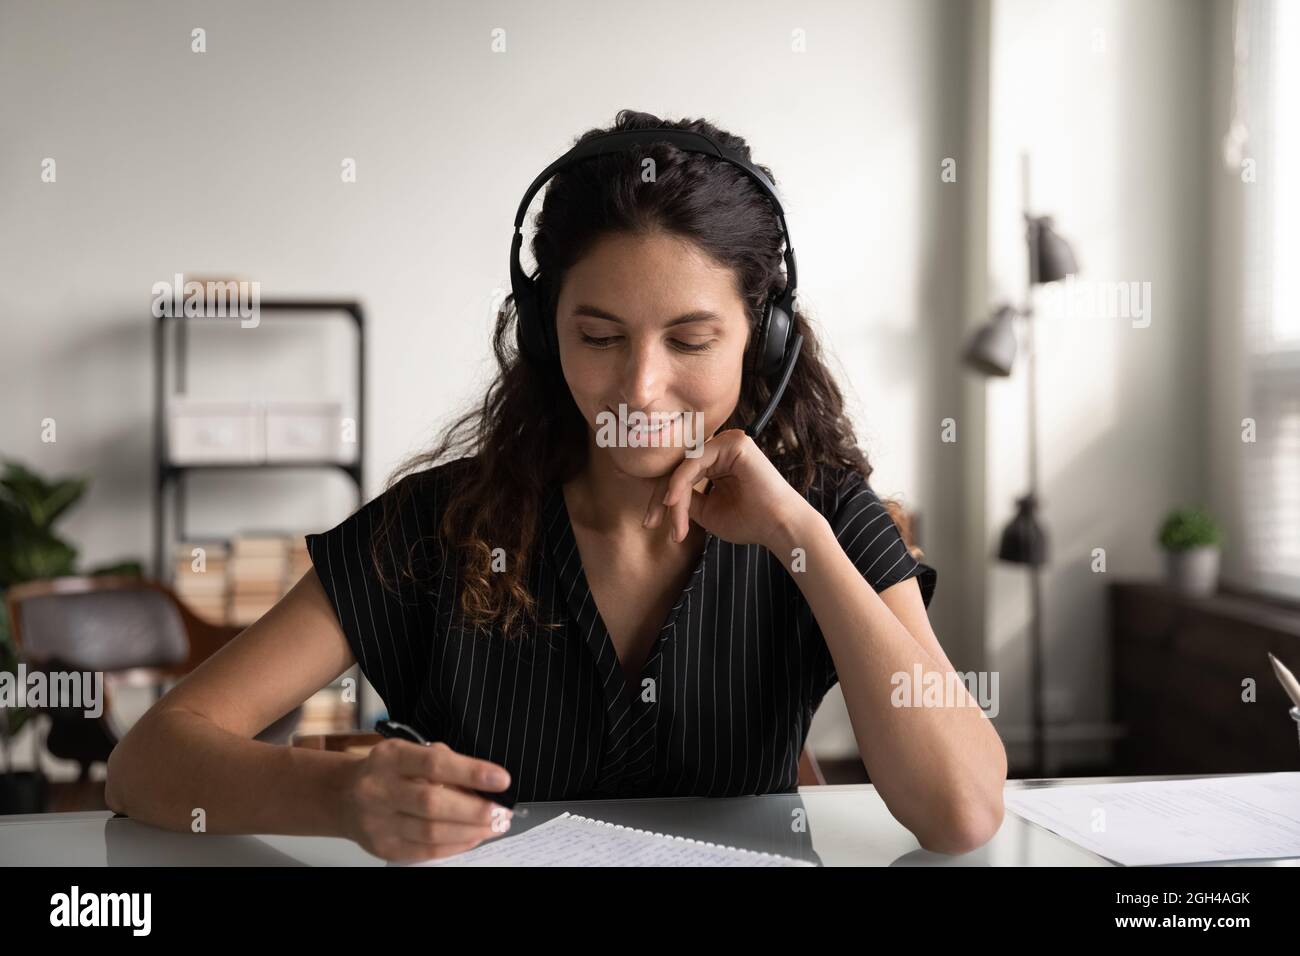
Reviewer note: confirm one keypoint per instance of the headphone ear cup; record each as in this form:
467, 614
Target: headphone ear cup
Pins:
775, 339
530, 335
526, 324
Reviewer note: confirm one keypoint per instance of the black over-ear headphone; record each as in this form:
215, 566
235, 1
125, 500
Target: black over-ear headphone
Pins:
775, 346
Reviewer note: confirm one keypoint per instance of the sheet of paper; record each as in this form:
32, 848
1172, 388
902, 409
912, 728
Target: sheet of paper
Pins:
1146, 823
570, 840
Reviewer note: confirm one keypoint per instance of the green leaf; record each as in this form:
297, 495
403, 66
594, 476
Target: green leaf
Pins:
40, 500
1187, 528
43, 556
62, 496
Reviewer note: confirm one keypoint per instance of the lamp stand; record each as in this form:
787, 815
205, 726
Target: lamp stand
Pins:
1037, 719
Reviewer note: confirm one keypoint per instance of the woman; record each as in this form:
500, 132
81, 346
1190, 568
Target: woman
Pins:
572, 610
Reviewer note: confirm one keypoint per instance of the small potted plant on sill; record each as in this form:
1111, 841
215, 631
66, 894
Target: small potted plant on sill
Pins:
1191, 541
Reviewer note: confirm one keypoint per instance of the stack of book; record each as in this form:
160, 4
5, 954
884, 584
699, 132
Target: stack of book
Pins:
258, 569
200, 578
237, 583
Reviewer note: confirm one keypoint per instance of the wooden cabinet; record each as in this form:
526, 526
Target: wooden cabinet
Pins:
1178, 664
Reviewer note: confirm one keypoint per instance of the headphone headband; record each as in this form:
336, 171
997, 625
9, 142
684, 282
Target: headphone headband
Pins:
620, 140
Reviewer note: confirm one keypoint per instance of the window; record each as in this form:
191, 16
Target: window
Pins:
1271, 467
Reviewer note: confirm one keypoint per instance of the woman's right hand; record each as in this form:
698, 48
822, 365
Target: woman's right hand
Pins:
408, 801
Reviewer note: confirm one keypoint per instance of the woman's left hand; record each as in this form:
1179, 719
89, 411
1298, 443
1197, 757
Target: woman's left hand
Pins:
750, 501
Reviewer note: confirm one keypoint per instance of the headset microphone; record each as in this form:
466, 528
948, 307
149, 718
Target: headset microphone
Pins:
783, 379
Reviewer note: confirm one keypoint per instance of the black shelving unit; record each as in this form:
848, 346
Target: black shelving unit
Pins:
170, 476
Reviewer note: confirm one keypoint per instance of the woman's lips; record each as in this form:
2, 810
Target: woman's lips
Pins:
654, 424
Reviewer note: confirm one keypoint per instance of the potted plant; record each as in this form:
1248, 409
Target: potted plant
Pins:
1191, 540
30, 550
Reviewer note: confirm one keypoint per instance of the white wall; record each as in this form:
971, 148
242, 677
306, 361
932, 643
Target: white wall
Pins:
228, 163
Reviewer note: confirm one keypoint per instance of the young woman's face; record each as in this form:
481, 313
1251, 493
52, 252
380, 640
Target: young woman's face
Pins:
652, 323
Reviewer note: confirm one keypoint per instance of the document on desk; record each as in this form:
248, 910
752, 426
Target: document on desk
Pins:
572, 840
1155, 822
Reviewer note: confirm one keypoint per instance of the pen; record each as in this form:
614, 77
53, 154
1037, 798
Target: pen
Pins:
392, 728
1287, 679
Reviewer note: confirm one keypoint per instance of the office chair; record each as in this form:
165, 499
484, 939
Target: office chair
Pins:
133, 628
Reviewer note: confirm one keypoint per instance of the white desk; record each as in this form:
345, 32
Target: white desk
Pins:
844, 826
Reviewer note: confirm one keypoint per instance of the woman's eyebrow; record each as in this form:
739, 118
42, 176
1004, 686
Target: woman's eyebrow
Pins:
698, 315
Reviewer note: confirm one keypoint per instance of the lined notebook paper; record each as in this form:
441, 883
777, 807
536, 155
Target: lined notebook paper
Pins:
573, 840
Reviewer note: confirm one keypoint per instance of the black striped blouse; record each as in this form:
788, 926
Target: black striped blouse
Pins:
727, 693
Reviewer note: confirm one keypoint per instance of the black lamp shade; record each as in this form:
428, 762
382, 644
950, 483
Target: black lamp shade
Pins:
1023, 539
992, 348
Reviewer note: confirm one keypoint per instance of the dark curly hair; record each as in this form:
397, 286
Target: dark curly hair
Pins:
528, 432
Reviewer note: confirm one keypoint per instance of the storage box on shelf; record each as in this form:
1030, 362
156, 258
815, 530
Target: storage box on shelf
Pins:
202, 432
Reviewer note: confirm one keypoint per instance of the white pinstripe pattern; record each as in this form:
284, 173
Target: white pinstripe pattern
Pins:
714, 727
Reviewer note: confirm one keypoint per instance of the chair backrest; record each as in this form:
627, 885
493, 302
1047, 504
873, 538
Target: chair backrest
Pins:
100, 624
